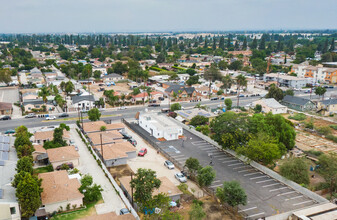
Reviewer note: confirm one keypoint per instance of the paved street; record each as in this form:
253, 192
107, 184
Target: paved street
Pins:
266, 196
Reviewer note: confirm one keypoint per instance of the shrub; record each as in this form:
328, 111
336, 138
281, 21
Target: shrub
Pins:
298, 117
325, 130
332, 138
333, 127
198, 120
314, 153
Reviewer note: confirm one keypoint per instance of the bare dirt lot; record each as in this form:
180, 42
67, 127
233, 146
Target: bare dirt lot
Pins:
119, 87
306, 141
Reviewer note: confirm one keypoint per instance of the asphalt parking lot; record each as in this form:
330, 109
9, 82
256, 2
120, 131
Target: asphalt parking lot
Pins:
266, 196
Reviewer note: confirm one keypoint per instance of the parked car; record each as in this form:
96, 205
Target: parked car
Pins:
51, 117
161, 98
165, 110
214, 98
133, 141
6, 117
125, 135
169, 164
241, 95
70, 165
30, 115
124, 211
63, 115
122, 108
10, 131
180, 177
142, 152
154, 105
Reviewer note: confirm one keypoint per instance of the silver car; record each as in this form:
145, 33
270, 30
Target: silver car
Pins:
169, 164
180, 177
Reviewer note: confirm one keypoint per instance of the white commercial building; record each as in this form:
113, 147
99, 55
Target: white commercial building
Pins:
287, 80
159, 126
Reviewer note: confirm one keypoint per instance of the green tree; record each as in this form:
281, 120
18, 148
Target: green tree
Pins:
91, 192
328, 169
227, 82
289, 92
295, 169
261, 149
235, 65
94, 114
258, 108
24, 150
28, 192
69, 87
144, 182
197, 212
25, 164
193, 80
175, 107
193, 166
5, 76
198, 120
212, 74
320, 91
86, 72
168, 215
228, 103
241, 81
275, 92
44, 92
254, 44
232, 194
206, 175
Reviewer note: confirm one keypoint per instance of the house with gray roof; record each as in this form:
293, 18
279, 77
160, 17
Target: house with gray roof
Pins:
83, 102
181, 92
327, 107
113, 77
298, 103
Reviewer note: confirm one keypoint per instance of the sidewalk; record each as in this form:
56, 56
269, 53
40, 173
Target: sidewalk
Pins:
88, 165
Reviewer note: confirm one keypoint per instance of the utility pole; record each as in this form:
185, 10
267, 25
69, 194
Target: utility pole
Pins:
102, 148
82, 120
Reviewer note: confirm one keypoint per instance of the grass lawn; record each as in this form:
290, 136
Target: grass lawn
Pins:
88, 211
42, 170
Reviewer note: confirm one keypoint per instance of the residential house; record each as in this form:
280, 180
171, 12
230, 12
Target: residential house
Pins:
116, 154
271, 105
38, 150
187, 115
113, 77
327, 107
166, 187
298, 103
105, 137
202, 90
159, 126
31, 104
181, 92
59, 191
183, 77
6, 108
84, 102
287, 80
40, 137
95, 126
61, 155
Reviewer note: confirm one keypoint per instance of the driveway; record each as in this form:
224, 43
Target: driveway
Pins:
88, 165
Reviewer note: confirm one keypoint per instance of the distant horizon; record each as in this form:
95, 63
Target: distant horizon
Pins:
134, 16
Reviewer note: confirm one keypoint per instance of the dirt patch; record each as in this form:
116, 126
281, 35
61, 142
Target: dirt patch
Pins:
119, 88
306, 141
215, 210
120, 171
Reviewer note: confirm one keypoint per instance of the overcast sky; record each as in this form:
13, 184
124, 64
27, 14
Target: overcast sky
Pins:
73, 16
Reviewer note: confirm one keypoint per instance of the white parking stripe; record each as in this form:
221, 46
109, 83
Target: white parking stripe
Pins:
296, 197
222, 158
176, 156
273, 190
247, 209
274, 184
195, 142
228, 161
212, 151
234, 164
183, 158
258, 177
207, 148
261, 213
302, 203
216, 181
216, 186
263, 181
286, 193
236, 168
219, 153
245, 170
249, 174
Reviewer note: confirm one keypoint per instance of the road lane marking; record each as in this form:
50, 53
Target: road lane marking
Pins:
286, 193
261, 213
300, 203
263, 181
296, 197
273, 190
274, 184
247, 209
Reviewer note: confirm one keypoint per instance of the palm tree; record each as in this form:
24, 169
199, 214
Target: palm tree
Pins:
211, 75
44, 92
241, 81
123, 96
227, 82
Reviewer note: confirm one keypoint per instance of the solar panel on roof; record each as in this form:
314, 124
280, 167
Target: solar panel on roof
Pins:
2, 163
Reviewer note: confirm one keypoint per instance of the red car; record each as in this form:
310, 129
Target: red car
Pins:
142, 152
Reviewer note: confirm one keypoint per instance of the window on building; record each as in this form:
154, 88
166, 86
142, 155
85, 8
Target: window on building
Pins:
13, 210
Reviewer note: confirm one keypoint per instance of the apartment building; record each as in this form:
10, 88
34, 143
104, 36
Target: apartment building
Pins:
318, 73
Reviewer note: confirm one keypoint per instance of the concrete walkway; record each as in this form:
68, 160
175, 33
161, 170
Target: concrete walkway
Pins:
88, 165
